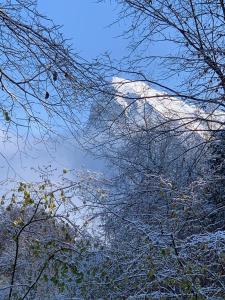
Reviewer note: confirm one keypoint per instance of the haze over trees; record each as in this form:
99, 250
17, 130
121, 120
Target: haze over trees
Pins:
152, 226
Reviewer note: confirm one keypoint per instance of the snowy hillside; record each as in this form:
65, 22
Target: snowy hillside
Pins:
171, 108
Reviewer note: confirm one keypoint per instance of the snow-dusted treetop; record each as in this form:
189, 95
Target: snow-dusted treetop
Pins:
191, 117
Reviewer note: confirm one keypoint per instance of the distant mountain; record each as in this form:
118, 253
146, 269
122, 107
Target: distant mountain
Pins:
170, 108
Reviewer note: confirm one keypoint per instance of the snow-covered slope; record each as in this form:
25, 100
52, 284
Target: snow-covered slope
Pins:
171, 108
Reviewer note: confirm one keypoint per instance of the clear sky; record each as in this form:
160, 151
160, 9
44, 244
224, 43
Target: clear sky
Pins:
86, 23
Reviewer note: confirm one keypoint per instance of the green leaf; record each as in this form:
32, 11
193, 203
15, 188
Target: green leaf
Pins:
55, 280
79, 280
74, 270
151, 274
45, 277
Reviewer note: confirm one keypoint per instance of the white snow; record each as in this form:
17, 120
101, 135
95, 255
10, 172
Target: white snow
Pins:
210, 238
191, 117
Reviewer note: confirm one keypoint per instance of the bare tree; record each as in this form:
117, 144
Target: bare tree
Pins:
44, 84
160, 218
190, 63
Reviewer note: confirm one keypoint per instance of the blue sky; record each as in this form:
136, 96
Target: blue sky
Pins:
86, 23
